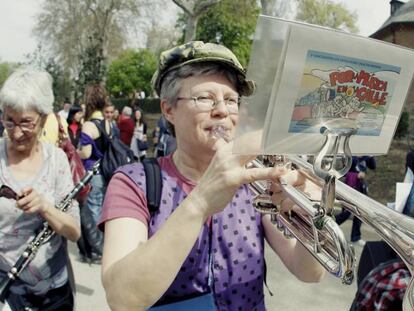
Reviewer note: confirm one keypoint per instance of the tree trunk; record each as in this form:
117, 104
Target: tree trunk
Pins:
190, 31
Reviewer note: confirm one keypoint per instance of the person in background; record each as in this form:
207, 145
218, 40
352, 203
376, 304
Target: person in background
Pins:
50, 132
409, 167
75, 124
39, 174
92, 149
409, 178
355, 178
109, 114
135, 104
126, 125
83, 106
65, 110
164, 142
116, 115
139, 143
206, 241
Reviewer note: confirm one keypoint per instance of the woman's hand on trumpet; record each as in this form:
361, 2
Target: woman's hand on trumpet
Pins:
293, 254
301, 183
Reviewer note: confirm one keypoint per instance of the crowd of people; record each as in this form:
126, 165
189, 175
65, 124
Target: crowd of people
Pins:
202, 246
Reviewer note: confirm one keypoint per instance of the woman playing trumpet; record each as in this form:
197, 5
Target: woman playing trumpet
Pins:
206, 242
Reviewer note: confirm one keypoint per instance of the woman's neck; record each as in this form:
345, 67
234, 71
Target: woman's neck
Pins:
16, 156
189, 166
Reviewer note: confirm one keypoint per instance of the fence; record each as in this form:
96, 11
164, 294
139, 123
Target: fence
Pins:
148, 105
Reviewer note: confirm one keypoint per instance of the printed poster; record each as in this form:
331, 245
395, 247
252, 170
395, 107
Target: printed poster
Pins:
335, 86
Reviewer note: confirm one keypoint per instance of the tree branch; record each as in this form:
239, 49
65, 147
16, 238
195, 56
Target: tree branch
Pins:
185, 6
201, 6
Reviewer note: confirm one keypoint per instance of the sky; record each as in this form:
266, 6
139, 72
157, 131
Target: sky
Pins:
17, 18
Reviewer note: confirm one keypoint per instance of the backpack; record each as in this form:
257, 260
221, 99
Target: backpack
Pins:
153, 182
115, 155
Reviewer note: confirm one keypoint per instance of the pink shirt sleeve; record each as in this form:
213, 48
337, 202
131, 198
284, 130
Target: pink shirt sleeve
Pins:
124, 198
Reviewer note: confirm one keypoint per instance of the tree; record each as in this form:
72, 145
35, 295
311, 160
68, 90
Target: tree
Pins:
160, 38
327, 13
65, 26
193, 10
5, 71
131, 71
62, 84
231, 23
278, 8
92, 66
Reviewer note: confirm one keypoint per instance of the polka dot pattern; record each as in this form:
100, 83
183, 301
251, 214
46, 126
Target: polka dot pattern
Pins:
236, 247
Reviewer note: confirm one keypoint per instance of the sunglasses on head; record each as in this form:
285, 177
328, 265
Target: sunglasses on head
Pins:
8, 193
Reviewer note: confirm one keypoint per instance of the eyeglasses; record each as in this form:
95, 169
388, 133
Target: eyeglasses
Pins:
25, 126
8, 193
208, 103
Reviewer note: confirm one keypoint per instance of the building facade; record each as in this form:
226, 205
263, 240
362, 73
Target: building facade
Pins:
399, 29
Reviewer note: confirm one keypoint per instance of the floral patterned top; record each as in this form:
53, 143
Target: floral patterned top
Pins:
17, 229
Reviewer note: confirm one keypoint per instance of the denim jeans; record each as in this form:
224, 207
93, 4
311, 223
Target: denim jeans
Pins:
96, 196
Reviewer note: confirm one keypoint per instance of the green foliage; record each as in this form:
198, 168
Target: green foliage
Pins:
327, 13
92, 65
403, 125
231, 23
5, 70
62, 84
131, 71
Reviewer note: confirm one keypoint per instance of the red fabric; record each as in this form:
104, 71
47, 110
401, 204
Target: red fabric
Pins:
76, 165
74, 128
382, 286
126, 128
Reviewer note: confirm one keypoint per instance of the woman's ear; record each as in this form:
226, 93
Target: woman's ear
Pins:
167, 110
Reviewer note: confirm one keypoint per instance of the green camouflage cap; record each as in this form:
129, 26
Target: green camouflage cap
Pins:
198, 52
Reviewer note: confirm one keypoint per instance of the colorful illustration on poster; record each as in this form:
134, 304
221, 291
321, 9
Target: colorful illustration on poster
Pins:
335, 86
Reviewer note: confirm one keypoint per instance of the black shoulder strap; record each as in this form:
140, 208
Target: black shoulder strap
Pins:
153, 181
101, 128
265, 277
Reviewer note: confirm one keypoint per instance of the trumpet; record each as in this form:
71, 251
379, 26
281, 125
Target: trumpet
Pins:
314, 227
317, 231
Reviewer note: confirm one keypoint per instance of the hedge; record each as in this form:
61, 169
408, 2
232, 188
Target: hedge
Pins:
148, 105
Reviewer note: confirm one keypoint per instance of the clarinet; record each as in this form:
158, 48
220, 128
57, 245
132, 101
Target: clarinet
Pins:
44, 235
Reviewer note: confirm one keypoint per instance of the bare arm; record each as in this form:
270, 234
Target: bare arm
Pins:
293, 254
92, 131
147, 267
32, 202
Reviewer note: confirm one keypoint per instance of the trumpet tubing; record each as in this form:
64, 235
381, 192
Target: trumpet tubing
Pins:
319, 233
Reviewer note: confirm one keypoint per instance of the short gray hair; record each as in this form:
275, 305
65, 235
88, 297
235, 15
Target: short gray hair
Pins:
27, 89
173, 80
127, 111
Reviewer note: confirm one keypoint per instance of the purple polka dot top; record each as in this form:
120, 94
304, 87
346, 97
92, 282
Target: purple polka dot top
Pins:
235, 242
